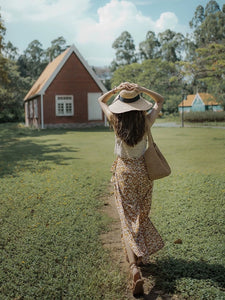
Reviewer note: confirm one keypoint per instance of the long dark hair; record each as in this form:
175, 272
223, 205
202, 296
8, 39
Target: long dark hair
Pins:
130, 126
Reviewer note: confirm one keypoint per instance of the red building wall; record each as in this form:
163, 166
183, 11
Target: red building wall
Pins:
72, 79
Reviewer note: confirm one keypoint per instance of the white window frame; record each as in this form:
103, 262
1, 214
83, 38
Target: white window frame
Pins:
64, 100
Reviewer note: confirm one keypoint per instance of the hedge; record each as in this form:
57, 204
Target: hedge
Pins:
205, 116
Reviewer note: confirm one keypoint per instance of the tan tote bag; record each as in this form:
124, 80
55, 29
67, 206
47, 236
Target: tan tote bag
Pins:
156, 164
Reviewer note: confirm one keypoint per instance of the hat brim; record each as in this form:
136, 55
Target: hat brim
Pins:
118, 107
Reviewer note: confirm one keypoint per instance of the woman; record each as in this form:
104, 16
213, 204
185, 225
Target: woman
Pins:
132, 187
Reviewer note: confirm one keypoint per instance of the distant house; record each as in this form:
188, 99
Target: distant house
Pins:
65, 94
199, 102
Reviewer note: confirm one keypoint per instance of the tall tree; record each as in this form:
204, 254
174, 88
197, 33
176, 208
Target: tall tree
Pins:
172, 45
125, 50
198, 18
3, 72
57, 47
189, 48
32, 62
211, 7
209, 69
208, 24
149, 48
10, 51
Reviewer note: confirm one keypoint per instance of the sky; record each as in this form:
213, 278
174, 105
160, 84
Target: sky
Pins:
93, 25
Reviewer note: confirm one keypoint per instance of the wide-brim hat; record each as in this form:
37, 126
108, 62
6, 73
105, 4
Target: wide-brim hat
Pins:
128, 101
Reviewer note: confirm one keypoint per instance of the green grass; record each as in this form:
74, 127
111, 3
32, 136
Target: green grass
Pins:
51, 183
189, 206
51, 186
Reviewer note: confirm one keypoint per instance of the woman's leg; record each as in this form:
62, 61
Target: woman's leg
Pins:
136, 274
131, 256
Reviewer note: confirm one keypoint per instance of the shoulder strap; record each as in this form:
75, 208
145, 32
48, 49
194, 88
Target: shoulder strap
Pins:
150, 138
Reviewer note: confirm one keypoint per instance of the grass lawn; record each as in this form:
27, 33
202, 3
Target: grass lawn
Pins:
51, 188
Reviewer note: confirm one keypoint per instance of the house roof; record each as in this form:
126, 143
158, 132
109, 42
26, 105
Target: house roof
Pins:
52, 69
207, 99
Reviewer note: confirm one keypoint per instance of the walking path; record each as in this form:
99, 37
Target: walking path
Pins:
112, 241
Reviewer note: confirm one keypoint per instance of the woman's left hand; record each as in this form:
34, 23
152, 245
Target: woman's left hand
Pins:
122, 86
127, 86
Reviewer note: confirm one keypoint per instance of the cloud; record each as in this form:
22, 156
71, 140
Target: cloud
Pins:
167, 20
93, 34
114, 18
42, 10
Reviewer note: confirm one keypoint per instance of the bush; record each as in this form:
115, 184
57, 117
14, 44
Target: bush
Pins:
11, 115
205, 116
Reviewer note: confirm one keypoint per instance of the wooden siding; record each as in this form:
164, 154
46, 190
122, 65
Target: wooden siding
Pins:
72, 79
33, 120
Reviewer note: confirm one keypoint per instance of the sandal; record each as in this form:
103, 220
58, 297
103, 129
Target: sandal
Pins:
138, 282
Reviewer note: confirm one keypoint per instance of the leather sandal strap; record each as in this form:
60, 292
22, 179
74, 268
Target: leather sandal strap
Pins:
133, 265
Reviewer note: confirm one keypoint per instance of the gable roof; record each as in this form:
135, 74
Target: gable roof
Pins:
52, 69
207, 99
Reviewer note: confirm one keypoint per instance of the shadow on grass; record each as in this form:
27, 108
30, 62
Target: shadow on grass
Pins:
16, 153
167, 271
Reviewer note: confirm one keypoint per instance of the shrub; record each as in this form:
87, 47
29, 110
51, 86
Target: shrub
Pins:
205, 116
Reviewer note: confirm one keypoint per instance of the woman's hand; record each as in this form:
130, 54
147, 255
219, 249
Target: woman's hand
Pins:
126, 86
122, 86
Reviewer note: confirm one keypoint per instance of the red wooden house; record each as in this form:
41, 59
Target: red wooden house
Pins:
65, 94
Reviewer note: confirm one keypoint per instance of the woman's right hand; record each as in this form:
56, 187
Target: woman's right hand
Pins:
127, 86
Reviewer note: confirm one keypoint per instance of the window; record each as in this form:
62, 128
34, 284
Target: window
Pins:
26, 110
64, 105
31, 109
35, 108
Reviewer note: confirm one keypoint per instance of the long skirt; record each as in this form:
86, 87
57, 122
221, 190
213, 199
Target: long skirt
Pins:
133, 196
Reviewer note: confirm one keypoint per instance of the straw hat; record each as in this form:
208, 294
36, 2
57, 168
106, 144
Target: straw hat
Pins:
127, 101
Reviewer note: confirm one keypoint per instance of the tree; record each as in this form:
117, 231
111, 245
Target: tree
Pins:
33, 61
125, 50
149, 48
56, 48
198, 18
3, 72
12, 86
2, 33
129, 73
209, 69
10, 51
157, 74
212, 7
189, 48
172, 45
208, 24
12, 94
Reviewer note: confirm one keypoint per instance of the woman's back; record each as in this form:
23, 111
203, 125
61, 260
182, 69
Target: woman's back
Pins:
126, 151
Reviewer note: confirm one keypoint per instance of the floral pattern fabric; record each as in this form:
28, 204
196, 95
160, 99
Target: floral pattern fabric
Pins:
133, 196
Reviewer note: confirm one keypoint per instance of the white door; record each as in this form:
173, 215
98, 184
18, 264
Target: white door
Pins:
94, 109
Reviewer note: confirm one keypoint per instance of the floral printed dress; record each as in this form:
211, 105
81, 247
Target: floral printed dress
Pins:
133, 196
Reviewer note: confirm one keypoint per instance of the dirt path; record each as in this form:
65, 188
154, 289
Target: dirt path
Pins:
111, 240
